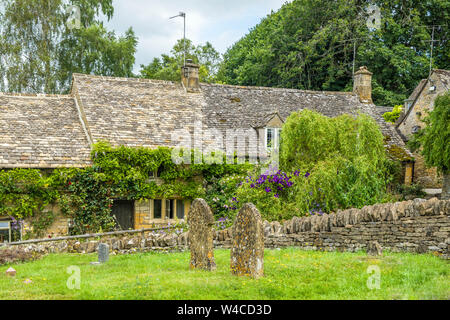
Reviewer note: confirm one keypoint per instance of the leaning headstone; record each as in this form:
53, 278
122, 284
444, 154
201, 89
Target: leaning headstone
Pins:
247, 252
374, 249
201, 234
11, 272
103, 252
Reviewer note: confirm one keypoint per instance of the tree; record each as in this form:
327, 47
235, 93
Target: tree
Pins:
168, 67
394, 114
308, 44
343, 158
434, 140
39, 50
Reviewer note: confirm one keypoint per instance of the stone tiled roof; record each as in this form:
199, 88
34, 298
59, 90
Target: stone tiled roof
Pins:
54, 131
135, 112
243, 107
38, 131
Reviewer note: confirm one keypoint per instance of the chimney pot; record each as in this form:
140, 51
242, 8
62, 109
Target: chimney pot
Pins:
189, 76
362, 84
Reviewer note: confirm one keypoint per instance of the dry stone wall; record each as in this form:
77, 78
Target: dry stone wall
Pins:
411, 226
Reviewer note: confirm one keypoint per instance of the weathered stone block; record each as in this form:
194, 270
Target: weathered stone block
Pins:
201, 235
247, 252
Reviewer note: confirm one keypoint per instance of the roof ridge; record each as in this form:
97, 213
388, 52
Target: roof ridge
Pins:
124, 79
278, 89
35, 95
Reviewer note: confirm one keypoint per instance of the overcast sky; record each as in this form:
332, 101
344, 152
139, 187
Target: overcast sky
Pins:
221, 22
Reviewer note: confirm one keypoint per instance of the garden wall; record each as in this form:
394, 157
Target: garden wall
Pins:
413, 226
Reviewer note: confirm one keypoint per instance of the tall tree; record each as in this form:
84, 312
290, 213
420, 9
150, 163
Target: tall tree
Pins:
168, 67
40, 48
309, 44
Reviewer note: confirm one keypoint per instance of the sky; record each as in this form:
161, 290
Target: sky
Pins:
221, 22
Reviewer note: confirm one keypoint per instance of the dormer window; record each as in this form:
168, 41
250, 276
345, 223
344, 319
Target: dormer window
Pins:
272, 138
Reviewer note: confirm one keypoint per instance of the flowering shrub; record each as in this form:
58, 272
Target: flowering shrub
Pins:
269, 192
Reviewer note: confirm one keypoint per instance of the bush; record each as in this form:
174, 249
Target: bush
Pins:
394, 114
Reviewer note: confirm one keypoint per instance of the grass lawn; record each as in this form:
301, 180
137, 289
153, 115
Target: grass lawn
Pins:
289, 274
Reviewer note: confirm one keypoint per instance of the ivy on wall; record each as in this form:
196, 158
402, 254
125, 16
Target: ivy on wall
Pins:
86, 194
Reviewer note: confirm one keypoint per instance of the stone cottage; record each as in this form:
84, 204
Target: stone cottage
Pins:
51, 131
410, 121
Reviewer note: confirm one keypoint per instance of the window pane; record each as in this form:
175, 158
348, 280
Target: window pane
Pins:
269, 137
4, 224
180, 209
169, 209
157, 209
4, 236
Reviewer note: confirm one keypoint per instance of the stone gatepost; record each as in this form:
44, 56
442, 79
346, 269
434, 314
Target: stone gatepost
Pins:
201, 234
247, 252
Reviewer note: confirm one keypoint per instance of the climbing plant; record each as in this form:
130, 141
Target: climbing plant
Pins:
86, 194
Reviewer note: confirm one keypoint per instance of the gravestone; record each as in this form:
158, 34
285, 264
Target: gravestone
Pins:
374, 249
201, 234
247, 252
103, 252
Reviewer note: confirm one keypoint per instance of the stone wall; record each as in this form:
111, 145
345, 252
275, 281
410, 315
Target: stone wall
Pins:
424, 104
410, 226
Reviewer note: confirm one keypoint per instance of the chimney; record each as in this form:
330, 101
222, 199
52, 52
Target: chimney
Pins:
189, 76
362, 85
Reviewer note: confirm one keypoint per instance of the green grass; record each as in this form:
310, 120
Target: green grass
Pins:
289, 274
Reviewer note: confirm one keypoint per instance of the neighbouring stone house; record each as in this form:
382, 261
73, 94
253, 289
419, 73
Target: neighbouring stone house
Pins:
410, 121
51, 131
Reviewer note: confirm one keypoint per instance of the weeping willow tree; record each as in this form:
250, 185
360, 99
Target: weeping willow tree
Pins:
343, 158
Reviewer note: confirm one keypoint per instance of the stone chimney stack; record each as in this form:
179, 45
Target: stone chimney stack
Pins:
362, 85
189, 76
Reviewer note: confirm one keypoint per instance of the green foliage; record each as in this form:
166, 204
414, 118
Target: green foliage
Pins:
24, 192
344, 156
434, 138
394, 114
86, 194
309, 45
39, 50
168, 67
410, 192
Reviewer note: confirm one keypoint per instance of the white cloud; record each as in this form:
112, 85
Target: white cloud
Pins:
221, 22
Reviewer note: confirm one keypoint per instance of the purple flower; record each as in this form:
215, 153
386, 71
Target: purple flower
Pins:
307, 175
252, 185
268, 189
296, 173
277, 196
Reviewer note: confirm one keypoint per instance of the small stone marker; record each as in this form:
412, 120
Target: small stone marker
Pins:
11, 272
247, 252
103, 252
374, 249
201, 234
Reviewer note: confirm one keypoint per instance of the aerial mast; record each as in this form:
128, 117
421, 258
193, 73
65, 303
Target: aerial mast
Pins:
183, 15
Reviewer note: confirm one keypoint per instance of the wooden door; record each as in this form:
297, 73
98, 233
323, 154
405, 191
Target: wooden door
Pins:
123, 210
